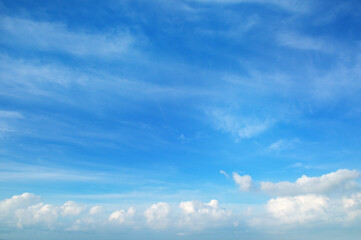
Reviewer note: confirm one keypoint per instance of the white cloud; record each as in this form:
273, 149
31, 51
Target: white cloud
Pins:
44, 214
95, 210
157, 215
8, 206
25, 210
297, 41
242, 128
298, 209
281, 212
198, 215
309, 210
249, 131
28, 78
10, 114
49, 36
71, 208
290, 5
341, 180
13, 170
343, 81
280, 145
244, 182
223, 173
84, 224
352, 206
121, 216
7, 119
329, 199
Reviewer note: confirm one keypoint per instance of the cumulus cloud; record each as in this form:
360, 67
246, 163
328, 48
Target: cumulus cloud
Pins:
43, 214
121, 216
244, 182
71, 208
341, 180
352, 205
84, 224
19, 201
26, 210
198, 215
95, 210
298, 209
332, 198
157, 216
309, 210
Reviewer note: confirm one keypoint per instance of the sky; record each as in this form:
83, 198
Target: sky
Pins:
180, 119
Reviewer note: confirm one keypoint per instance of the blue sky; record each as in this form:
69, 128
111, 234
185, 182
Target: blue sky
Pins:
194, 119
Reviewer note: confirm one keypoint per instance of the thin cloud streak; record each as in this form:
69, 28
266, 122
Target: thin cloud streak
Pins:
48, 36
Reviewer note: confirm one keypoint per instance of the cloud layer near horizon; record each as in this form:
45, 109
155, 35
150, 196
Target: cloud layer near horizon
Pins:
312, 199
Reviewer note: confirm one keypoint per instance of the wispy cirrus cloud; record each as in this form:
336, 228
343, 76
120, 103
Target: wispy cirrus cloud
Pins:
26, 78
293, 5
223, 173
302, 42
281, 145
7, 120
12, 171
240, 127
56, 37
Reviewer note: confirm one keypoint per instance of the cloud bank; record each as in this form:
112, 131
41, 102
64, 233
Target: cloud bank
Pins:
332, 198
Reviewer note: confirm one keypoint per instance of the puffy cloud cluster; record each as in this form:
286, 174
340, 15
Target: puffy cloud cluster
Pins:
244, 182
26, 210
10, 209
39, 214
198, 215
9, 205
122, 216
341, 180
332, 198
298, 209
352, 205
157, 215
95, 210
310, 210
71, 208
